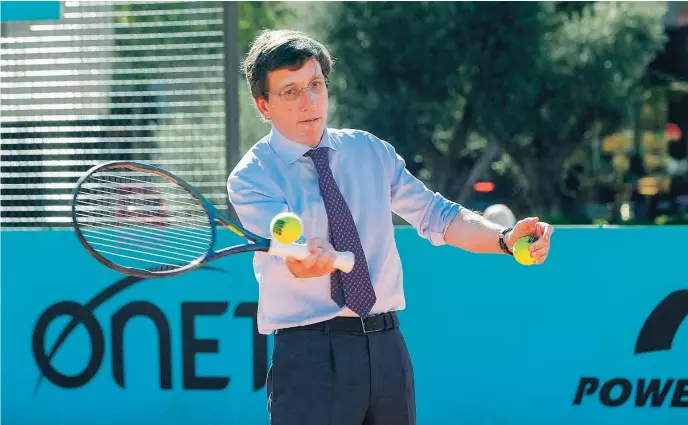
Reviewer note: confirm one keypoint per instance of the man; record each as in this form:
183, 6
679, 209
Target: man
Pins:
339, 356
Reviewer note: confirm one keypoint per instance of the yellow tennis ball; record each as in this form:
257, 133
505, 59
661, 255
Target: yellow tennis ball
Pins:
286, 227
521, 252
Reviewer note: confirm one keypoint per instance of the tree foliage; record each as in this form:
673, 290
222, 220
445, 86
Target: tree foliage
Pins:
534, 80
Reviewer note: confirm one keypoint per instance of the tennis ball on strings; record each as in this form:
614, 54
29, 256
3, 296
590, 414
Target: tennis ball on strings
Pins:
521, 252
286, 227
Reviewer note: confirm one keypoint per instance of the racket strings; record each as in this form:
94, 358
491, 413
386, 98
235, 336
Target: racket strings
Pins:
112, 209
142, 220
148, 187
107, 208
119, 235
151, 199
141, 231
171, 236
154, 206
168, 184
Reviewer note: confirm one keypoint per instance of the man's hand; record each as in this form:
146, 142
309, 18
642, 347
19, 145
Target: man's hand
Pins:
318, 263
532, 226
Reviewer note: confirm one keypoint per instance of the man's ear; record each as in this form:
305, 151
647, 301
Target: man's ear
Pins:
263, 107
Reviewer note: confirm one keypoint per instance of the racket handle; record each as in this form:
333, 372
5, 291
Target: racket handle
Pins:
344, 261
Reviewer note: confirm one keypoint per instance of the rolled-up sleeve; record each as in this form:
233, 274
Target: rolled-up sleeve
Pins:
428, 212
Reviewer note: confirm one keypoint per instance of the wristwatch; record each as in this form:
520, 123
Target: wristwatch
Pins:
502, 244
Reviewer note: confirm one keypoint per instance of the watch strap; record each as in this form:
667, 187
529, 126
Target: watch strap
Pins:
502, 243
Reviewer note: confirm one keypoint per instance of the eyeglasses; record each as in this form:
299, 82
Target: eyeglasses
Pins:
292, 94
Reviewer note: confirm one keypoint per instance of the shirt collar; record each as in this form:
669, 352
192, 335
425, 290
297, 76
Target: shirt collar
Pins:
289, 151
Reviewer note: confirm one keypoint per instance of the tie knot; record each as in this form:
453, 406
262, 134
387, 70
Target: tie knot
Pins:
318, 154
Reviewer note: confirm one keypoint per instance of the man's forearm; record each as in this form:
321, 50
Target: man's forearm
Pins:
472, 232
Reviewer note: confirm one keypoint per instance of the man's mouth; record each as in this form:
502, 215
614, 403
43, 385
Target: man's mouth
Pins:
311, 121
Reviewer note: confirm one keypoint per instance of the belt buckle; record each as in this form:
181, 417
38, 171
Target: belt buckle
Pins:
364, 326
365, 331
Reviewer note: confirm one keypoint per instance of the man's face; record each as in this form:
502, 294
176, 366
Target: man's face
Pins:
300, 119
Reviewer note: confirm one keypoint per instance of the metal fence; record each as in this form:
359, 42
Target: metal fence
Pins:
112, 81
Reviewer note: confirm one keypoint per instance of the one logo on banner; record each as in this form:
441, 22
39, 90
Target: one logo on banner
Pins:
657, 334
191, 344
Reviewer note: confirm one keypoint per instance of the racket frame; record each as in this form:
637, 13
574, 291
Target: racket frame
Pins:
344, 261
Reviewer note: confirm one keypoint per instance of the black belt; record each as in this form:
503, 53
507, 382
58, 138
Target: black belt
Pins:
375, 323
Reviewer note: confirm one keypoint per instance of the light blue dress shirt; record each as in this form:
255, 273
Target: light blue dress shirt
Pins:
275, 177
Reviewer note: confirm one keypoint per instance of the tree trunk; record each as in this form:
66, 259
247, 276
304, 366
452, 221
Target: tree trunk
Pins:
462, 129
544, 190
481, 166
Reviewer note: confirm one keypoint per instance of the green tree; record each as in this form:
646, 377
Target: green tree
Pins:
449, 82
587, 85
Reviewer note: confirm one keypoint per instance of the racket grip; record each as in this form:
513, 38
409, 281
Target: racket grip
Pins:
344, 261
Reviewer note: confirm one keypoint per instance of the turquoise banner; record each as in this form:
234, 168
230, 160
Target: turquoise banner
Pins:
596, 336
29, 10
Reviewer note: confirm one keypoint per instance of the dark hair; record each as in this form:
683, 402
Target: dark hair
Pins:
277, 49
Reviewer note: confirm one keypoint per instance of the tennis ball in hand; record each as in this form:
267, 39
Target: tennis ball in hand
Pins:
286, 227
521, 252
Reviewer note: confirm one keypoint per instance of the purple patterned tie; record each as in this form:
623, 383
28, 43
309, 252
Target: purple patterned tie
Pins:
357, 293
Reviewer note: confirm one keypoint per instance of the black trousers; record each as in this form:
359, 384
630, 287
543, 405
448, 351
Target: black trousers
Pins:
334, 377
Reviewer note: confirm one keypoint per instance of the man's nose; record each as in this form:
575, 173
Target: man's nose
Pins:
307, 99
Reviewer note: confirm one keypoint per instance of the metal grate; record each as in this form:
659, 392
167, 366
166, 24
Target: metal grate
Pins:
109, 81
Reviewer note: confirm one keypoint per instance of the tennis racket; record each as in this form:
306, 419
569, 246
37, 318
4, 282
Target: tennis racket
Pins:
144, 221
